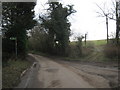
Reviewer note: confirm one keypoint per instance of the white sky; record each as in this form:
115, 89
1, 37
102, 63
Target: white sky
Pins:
85, 19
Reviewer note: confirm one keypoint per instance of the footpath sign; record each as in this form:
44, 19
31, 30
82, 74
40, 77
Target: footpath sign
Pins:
13, 38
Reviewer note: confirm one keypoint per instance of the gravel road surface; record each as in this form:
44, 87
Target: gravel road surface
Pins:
48, 73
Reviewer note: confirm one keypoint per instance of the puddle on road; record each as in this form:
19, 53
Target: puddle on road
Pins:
52, 70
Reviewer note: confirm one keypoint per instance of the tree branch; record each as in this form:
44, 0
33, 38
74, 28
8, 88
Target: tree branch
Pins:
101, 9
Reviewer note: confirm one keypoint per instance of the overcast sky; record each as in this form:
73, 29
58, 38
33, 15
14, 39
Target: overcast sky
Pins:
85, 20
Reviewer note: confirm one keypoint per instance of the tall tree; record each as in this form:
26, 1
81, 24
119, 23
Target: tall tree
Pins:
17, 18
117, 21
58, 26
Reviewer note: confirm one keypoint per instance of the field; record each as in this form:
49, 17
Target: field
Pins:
97, 51
98, 42
93, 42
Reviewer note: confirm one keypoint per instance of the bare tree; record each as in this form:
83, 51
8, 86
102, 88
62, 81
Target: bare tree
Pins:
115, 15
112, 13
103, 13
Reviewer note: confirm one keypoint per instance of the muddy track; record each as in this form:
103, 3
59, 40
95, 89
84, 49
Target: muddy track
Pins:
108, 73
49, 73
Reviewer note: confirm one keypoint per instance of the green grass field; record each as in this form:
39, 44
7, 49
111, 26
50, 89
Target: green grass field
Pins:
92, 42
98, 42
95, 51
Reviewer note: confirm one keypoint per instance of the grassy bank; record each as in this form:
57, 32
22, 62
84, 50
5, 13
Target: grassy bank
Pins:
98, 42
93, 42
12, 71
97, 51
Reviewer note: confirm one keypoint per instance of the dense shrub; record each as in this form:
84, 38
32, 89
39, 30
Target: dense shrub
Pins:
112, 51
88, 49
90, 45
74, 51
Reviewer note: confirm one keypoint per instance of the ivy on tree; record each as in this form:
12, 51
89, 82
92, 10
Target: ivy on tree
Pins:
58, 27
17, 18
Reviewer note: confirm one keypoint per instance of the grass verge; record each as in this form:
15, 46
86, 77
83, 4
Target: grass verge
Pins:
11, 73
